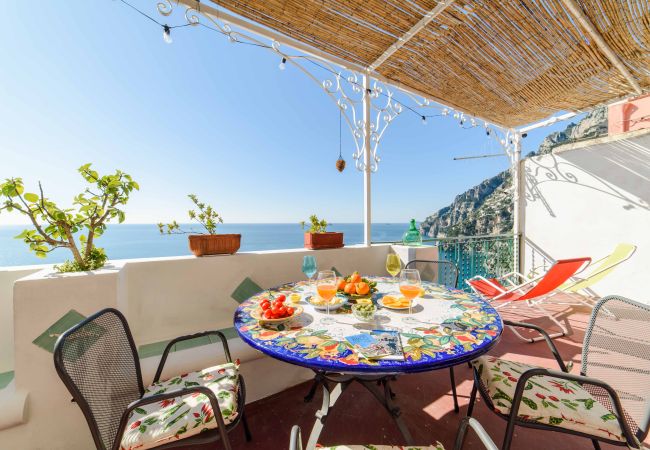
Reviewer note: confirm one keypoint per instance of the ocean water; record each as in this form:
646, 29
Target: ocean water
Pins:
144, 241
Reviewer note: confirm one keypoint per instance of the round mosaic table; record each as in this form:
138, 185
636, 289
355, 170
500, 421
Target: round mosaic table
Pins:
452, 327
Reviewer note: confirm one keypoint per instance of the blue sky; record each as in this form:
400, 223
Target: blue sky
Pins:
94, 82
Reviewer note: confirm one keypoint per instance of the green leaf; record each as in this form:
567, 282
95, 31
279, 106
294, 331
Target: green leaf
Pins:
30, 197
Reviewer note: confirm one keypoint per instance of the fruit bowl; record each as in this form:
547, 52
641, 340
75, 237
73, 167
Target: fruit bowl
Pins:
355, 287
258, 314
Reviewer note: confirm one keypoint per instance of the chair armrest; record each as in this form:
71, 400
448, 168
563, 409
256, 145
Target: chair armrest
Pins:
478, 429
547, 338
216, 410
188, 337
616, 402
296, 439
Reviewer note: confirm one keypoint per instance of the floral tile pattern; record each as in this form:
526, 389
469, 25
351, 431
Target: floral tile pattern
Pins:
153, 425
547, 400
455, 327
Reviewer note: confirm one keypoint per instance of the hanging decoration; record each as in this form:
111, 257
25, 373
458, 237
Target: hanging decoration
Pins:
343, 86
340, 163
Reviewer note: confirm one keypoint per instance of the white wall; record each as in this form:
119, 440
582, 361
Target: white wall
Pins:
584, 199
161, 298
7, 278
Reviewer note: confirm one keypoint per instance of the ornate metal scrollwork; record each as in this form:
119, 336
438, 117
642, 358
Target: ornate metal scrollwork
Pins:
344, 87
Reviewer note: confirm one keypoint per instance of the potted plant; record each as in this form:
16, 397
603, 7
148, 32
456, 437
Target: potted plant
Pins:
317, 238
75, 228
205, 244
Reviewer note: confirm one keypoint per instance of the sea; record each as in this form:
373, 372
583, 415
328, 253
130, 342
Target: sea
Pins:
128, 241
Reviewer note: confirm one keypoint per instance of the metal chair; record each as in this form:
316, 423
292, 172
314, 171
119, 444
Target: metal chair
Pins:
296, 439
610, 397
445, 273
441, 272
98, 362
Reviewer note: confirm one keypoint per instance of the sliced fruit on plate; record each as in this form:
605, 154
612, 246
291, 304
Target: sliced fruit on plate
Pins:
390, 301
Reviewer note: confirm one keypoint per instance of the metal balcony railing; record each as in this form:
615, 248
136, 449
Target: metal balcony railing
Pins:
488, 256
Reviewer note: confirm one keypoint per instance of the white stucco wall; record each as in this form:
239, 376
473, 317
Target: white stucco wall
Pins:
584, 199
7, 278
161, 298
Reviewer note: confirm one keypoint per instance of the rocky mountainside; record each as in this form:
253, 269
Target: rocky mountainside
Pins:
487, 208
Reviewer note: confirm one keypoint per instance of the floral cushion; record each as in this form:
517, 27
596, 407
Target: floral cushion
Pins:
547, 400
155, 424
437, 446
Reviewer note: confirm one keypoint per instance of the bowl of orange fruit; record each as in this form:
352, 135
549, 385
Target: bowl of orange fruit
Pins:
355, 287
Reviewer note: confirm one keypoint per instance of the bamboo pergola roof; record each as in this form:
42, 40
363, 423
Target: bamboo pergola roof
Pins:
508, 61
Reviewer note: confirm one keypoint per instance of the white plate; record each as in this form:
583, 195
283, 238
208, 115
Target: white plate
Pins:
381, 302
323, 307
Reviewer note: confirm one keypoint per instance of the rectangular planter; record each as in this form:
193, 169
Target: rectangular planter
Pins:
317, 241
214, 244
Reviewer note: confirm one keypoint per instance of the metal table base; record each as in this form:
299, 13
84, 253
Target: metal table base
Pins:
377, 385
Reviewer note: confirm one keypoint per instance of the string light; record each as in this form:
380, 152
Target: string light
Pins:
282, 66
167, 34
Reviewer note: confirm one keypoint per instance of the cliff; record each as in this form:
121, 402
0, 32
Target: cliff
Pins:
487, 208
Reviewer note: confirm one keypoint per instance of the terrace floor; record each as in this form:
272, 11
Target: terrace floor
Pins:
425, 400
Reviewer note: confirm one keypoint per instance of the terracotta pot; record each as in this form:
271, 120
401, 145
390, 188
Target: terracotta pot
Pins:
214, 244
316, 241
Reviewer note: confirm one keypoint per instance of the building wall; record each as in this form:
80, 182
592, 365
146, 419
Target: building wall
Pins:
585, 198
631, 115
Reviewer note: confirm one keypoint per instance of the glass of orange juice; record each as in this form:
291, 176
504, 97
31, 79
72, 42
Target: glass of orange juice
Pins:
409, 286
326, 287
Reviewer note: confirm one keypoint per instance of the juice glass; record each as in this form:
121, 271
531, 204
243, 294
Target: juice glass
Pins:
409, 286
326, 288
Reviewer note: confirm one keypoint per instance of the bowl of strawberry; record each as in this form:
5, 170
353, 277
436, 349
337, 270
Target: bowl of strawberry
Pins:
273, 310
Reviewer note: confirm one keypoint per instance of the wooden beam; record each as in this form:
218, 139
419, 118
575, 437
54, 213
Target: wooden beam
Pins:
589, 27
401, 41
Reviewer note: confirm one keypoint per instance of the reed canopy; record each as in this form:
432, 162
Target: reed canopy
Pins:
511, 62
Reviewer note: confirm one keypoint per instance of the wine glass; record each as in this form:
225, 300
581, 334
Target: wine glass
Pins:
409, 286
393, 265
309, 267
326, 287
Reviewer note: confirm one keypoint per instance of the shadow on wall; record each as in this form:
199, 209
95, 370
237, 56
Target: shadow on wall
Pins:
618, 168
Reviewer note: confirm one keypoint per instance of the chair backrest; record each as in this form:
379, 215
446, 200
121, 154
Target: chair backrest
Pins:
617, 350
98, 362
559, 272
441, 272
621, 253
487, 288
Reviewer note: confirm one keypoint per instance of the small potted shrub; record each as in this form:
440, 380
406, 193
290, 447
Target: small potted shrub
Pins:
205, 244
76, 228
317, 238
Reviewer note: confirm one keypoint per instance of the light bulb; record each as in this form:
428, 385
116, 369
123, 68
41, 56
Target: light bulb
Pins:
445, 112
167, 34
282, 64
473, 121
424, 120
456, 115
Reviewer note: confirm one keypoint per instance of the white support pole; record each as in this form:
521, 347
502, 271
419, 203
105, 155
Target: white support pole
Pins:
518, 210
367, 153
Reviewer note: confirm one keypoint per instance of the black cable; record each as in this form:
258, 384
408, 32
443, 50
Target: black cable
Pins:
306, 58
